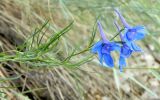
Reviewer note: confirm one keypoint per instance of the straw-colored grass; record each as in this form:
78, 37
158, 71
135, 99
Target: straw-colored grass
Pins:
22, 79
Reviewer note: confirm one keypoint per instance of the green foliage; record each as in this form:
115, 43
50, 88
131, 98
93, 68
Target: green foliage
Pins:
35, 53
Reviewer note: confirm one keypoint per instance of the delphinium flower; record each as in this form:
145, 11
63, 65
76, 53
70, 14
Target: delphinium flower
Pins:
126, 47
131, 34
104, 48
125, 50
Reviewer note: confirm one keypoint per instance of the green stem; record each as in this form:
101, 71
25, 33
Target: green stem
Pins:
117, 34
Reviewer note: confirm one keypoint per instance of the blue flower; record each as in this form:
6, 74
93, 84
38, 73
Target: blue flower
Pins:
131, 34
125, 50
135, 33
104, 48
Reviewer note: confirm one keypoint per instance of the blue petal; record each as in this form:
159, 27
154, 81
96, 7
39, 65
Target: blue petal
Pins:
130, 36
122, 63
115, 47
96, 47
100, 55
129, 45
106, 48
111, 46
108, 60
124, 37
136, 48
141, 31
126, 51
139, 35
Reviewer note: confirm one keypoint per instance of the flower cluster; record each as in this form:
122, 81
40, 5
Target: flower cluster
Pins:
104, 47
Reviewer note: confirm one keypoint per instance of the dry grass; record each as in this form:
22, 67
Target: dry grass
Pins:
18, 19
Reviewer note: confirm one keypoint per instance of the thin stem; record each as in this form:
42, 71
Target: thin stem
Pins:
117, 34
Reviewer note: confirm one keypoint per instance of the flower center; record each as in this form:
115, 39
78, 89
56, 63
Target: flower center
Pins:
131, 33
132, 30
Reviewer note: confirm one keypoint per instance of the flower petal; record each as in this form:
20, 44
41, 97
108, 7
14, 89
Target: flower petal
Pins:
130, 36
106, 48
111, 46
139, 35
108, 60
96, 47
124, 37
136, 48
100, 55
115, 47
141, 31
122, 63
126, 51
